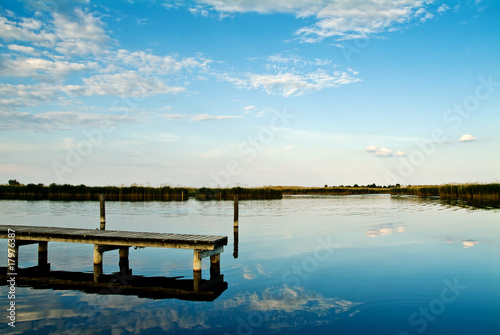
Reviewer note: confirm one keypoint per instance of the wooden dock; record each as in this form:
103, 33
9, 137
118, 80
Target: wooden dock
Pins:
106, 240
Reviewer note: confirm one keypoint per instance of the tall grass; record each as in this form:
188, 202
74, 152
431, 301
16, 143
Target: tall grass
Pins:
243, 193
333, 190
82, 192
465, 191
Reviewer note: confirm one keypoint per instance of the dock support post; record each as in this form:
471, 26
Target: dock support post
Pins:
236, 241
103, 212
43, 251
196, 270
124, 263
214, 266
97, 262
236, 210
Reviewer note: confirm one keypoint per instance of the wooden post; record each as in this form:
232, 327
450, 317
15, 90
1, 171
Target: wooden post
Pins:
43, 250
197, 260
214, 266
196, 270
103, 212
236, 210
196, 281
97, 262
236, 240
182, 196
124, 263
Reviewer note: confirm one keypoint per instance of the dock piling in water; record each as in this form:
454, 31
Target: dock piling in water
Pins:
235, 241
43, 251
103, 212
236, 214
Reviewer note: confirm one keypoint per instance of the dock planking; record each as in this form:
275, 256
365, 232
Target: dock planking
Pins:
114, 237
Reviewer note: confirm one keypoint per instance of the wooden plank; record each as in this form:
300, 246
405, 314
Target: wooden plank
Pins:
117, 238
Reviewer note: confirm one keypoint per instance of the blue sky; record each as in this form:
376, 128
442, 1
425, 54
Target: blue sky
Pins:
249, 92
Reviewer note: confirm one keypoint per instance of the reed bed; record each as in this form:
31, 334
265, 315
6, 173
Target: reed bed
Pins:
334, 190
264, 193
464, 191
82, 192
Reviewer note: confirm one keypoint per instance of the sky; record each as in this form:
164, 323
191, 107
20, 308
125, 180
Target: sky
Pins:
225, 93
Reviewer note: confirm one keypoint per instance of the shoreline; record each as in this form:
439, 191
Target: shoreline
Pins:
167, 193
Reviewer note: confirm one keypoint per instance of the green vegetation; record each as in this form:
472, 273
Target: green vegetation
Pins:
465, 191
15, 190
82, 192
333, 190
243, 193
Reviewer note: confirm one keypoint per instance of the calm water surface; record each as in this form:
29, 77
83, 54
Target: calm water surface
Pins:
306, 265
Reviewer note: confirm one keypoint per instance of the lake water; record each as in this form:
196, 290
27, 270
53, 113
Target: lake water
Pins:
371, 264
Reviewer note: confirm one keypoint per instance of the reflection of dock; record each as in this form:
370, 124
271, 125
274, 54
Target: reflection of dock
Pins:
106, 240
143, 287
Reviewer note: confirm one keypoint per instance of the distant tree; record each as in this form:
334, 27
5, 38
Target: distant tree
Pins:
355, 185
326, 185
14, 182
398, 186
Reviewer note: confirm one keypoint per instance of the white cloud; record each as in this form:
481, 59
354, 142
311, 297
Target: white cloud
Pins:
290, 300
151, 64
207, 117
249, 109
173, 5
174, 116
56, 120
342, 19
292, 84
285, 63
298, 7
79, 35
265, 111
123, 85
142, 22
469, 243
199, 10
23, 49
383, 152
292, 75
212, 153
19, 96
443, 8
467, 138
372, 148
42, 69
22, 31
399, 153
201, 117
426, 17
